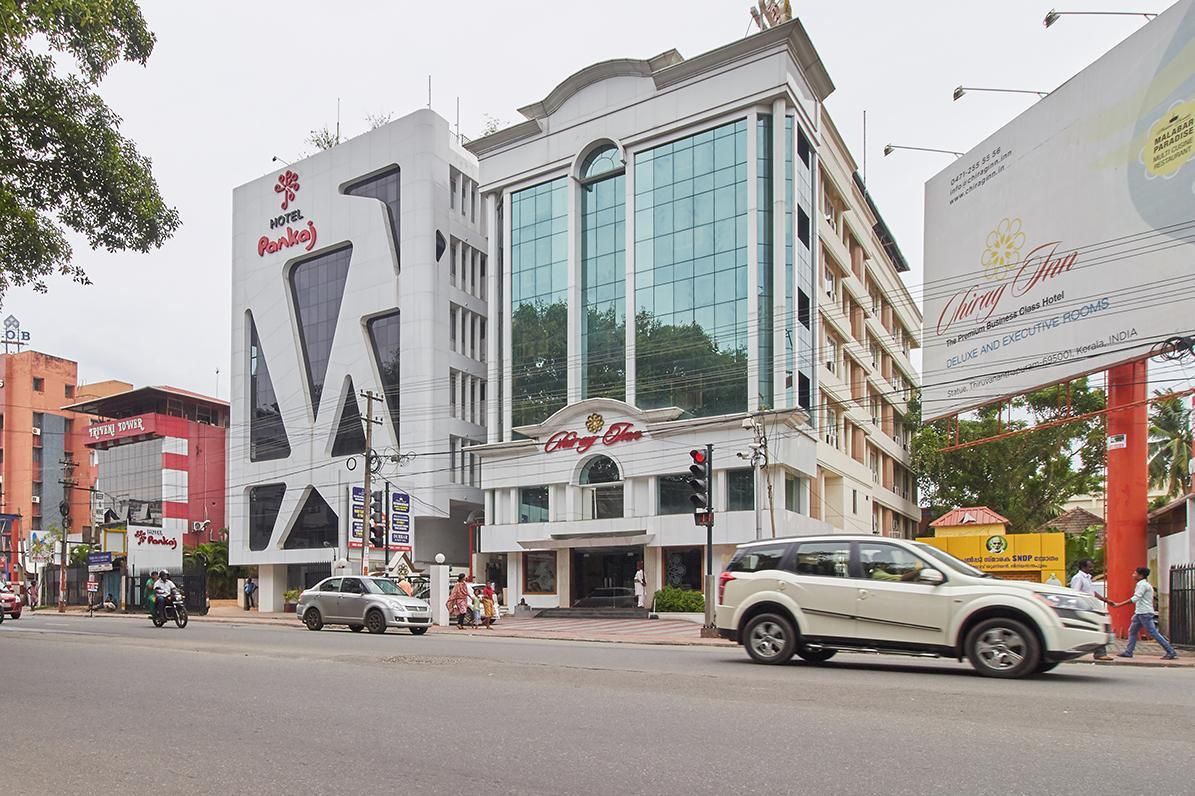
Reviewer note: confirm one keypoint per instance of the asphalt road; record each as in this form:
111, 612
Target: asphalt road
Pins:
95, 705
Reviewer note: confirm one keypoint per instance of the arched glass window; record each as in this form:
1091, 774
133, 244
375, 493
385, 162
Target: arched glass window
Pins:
600, 470
600, 162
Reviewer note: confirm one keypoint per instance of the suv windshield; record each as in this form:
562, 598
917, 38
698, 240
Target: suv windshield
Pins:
383, 586
945, 558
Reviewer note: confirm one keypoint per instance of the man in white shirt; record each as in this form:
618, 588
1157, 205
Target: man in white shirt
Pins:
1143, 616
1083, 583
163, 586
640, 585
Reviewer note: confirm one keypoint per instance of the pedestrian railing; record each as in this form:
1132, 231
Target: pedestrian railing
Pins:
1182, 604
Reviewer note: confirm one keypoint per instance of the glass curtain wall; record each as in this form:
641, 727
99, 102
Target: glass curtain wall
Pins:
763, 181
603, 276
691, 273
805, 264
318, 287
539, 301
267, 433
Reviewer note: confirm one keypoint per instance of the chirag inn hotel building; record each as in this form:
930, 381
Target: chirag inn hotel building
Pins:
656, 246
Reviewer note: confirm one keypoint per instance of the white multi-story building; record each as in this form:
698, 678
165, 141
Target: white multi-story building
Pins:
869, 324
359, 269
657, 239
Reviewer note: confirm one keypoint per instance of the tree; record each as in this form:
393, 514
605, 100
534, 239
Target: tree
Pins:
213, 557
64, 164
1170, 446
1026, 477
79, 553
1081, 546
376, 120
323, 138
491, 124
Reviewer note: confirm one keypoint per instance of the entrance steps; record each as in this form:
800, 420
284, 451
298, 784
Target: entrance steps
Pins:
593, 613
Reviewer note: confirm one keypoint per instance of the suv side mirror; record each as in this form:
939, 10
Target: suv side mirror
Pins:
931, 576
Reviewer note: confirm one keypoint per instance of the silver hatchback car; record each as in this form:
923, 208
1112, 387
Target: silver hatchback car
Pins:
372, 604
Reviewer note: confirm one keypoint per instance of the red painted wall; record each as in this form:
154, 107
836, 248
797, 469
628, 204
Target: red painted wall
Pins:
206, 479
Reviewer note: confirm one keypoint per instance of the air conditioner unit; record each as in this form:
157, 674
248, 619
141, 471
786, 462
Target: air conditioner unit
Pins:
36, 431
36, 499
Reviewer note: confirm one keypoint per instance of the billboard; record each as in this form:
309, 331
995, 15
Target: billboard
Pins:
1062, 244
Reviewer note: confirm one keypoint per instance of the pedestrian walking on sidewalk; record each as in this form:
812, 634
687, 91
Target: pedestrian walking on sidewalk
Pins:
1083, 583
487, 606
250, 594
640, 585
458, 601
1143, 616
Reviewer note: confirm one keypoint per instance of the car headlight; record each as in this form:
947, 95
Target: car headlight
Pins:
1069, 602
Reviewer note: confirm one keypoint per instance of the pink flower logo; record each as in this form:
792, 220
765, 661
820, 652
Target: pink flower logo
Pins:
288, 186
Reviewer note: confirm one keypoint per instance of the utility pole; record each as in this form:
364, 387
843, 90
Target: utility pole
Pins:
386, 523
369, 397
64, 508
761, 456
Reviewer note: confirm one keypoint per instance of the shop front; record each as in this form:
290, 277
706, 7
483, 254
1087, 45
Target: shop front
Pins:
1033, 557
596, 493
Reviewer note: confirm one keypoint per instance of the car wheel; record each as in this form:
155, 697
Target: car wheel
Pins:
770, 638
356, 628
313, 620
375, 622
1046, 666
1003, 647
815, 655
417, 631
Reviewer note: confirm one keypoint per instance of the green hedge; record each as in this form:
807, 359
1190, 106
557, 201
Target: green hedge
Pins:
672, 599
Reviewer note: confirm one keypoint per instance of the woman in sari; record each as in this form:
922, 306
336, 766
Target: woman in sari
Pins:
458, 601
488, 603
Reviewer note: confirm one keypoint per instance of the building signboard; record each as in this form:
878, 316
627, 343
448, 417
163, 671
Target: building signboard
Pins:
1061, 245
99, 562
151, 548
594, 425
401, 524
1018, 556
120, 429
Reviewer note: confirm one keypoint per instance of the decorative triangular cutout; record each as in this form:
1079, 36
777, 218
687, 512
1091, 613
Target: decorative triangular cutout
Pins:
350, 434
267, 432
316, 526
318, 288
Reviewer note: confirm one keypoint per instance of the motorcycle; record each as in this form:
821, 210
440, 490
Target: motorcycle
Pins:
175, 609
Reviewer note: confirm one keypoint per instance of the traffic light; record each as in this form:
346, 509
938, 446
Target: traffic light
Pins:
377, 532
699, 483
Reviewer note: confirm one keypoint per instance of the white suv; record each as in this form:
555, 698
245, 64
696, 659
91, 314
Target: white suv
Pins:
813, 596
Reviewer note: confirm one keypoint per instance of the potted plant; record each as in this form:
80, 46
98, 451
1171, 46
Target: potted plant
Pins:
290, 598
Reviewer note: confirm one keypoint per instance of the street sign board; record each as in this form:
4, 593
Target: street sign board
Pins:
1061, 245
400, 521
99, 562
93, 586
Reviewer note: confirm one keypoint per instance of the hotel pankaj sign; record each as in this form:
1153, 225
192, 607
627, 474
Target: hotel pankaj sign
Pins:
1018, 556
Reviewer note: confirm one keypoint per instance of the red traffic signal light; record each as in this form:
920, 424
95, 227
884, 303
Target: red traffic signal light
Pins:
698, 456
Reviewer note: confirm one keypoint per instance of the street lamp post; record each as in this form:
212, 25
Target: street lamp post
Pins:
1052, 16
961, 90
890, 148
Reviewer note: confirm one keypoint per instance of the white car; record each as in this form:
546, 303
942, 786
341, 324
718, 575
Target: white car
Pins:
362, 603
814, 596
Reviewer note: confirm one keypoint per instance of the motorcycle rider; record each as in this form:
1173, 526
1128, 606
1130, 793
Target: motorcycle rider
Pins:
163, 587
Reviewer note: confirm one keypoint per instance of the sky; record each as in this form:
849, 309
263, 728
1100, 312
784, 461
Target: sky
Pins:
231, 85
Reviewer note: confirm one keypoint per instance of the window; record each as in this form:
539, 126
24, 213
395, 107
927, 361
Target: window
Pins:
539, 572
316, 527
539, 301
318, 288
384, 187
888, 562
267, 433
39, 384
740, 490
823, 559
603, 276
765, 263
691, 273
352, 586
333, 584
350, 430
757, 559
68, 390
854, 501
264, 504
794, 494
672, 495
533, 504
682, 568
602, 498
384, 335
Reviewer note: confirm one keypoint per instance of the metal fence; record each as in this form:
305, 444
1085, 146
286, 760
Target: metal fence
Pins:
192, 582
1182, 604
